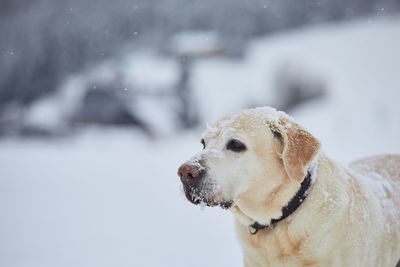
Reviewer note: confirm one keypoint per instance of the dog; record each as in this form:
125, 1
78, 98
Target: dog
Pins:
292, 205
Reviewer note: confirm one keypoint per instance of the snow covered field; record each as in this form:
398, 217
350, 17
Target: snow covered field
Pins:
112, 197
105, 199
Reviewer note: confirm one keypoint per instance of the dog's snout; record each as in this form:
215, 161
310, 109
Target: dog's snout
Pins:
190, 173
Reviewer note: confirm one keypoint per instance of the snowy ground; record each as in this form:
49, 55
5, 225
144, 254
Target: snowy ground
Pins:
112, 197
106, 199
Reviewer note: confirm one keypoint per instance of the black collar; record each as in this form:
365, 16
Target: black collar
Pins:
291, 207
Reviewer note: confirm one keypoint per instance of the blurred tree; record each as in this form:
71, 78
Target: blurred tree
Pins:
42, 41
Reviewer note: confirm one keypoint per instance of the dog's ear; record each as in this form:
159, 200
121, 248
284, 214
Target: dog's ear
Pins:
299, 147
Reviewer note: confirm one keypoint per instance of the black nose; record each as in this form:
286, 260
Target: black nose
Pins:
190, 173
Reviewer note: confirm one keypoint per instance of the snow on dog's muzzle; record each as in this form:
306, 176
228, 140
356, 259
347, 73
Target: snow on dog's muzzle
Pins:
191, 174
198, 188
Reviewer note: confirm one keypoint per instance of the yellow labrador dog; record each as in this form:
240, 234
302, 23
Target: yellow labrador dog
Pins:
292, 205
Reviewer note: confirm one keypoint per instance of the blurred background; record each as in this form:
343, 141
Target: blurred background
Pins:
100, 101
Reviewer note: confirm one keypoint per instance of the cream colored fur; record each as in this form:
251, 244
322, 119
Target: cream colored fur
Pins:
351, 216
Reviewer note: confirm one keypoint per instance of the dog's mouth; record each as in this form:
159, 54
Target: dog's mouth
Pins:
197, 197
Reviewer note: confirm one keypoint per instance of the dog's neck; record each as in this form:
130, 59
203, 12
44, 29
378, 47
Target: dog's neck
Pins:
293, 204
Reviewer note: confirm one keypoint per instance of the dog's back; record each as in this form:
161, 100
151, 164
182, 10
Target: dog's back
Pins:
384, 169
386, 166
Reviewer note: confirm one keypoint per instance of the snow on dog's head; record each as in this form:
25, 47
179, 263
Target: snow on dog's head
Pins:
251, 161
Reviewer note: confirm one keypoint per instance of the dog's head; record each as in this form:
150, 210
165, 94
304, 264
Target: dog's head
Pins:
252, 162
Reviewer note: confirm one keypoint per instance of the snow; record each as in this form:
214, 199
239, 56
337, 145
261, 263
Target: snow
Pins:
145, 70
42, 114
195, 43
359, 63
113, 197
110, 199
376, 184
195, 162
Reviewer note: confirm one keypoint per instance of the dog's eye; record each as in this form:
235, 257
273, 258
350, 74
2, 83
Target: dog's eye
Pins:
203, 143
235, 146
